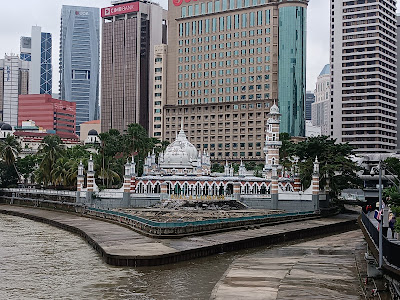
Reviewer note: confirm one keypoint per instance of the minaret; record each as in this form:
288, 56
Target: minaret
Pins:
79, 182
127, 184
133, 175
90, 180
315, 185
272, 142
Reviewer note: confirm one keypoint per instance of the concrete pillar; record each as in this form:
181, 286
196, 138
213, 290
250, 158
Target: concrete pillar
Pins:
236, 190
127, 185
297, 183
315, 185
80, 181
274, 188
90, 181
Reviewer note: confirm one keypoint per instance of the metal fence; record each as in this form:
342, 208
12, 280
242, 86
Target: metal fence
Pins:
391, 250
196, 223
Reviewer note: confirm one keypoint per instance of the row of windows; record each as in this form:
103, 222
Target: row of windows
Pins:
224, 99
223, 23
217, 6
221, 90
222, 37
226, 54
221, 64
235, 80
243, 71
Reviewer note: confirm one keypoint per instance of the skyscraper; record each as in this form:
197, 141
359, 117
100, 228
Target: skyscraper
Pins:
130, 32
225, 59
363, 71
79, 60
14, 81
321, 107
37, 50
310, 99
292, 65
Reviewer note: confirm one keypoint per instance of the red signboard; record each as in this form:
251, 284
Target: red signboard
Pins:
119, 9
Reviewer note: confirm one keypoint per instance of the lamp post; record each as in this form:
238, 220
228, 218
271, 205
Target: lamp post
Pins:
380, 236
380, 208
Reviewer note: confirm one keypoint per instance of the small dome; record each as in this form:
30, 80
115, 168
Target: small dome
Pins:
93, 132
181, 151
6, 126
274, 109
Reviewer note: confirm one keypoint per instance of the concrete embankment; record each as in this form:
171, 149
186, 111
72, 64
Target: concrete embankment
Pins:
121, 246
325, 268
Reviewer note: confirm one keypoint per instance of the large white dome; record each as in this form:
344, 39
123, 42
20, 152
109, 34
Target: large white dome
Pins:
180, 152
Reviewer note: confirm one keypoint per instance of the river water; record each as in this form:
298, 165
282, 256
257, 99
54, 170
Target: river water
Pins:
38, 261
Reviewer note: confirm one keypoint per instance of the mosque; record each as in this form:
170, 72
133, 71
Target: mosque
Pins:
183, 171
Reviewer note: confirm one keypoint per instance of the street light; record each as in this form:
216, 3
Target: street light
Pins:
381, 166
380, 207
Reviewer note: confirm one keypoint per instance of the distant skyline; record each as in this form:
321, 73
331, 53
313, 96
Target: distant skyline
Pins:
21, 15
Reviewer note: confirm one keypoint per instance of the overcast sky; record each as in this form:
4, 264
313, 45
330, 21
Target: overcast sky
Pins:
19, 15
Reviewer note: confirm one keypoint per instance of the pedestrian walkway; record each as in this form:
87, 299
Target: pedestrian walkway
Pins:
319, 269
122, 246
370, 216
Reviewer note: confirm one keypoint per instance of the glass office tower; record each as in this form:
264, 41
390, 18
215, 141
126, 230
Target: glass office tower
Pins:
292, 67
79, 60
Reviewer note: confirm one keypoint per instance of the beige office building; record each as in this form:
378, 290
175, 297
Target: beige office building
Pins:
223, 71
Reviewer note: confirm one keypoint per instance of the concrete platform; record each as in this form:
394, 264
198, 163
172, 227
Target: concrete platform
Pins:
121, 246
319, 269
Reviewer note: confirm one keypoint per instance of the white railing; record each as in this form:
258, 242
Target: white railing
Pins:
42, 192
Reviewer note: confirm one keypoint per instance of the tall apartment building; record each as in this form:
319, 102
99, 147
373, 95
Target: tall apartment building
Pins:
225, 60
129, 33
14, 81
320, 109
37, 50
79, 60
363, 70
398, 81
160, 92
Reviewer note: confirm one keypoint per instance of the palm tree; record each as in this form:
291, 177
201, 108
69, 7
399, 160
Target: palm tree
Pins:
51, 149
10, 148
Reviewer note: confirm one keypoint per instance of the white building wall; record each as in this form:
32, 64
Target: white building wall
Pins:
34, 79
11, 80
363, 68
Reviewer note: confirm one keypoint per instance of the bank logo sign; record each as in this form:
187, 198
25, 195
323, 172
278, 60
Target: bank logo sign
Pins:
119, 9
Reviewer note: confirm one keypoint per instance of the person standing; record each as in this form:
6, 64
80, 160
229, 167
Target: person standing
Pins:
392, 221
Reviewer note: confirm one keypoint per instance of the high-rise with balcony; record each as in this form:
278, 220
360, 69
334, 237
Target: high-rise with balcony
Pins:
79, 60
228, 60
130, 32
363, 74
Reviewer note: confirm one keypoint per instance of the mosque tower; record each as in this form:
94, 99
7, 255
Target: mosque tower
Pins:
272, 142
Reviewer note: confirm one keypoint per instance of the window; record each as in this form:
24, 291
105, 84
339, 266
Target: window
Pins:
158, 59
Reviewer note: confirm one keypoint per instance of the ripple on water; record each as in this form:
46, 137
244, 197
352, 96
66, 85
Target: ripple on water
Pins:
42, 262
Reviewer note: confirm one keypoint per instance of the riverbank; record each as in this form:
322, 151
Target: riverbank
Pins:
121, 246
326, 268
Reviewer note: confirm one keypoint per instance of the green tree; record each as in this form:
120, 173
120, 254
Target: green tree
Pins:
27, 165
217, 168
8, 175
334, 158
10, 148
50, 150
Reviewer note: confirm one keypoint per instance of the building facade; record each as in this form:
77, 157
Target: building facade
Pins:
320, 109
292, 65
398, 81
37, 50
223, 63
79, 60
363, 70
48, 113
310, 99
14, 81
130, 31
159, 95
